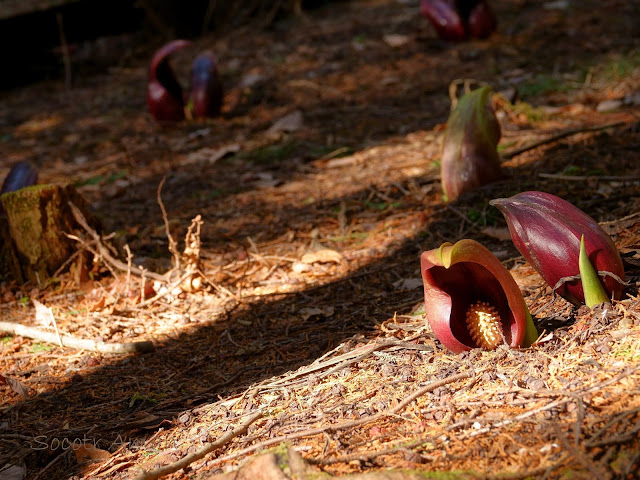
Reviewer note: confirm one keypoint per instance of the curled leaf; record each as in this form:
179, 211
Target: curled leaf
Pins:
164, 93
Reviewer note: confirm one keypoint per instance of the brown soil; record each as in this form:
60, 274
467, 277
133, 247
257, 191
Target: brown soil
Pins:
328, 347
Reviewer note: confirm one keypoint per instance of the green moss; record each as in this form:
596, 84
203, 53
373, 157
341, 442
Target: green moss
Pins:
533, 114
102, 179
40, 347
541, 85
618, 66
350, 237
381, 206
271, 153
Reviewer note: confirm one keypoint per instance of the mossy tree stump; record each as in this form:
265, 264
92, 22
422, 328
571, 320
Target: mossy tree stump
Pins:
33, 244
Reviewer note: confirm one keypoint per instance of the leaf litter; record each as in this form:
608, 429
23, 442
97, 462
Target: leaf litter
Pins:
305, 326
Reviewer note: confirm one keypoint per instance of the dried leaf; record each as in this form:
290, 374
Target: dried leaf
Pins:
396, 40
210, 155
44, 315
316, 311
497, 233
16, 386
289, 123
87, 455
325, 255
408, 283
13, 472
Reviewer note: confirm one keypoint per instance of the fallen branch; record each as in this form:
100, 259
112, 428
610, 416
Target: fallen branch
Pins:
197, 455
75, 342
558, 136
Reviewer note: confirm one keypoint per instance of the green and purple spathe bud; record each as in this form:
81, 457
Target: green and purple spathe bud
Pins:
470, 157
471, 299
547, 231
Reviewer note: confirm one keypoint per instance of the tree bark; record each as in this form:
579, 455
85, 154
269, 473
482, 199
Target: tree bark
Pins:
33, 244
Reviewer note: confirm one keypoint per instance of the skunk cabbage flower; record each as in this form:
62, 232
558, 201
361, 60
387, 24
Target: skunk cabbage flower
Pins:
471, 300
164, 93
470, 156
456, 20
21, 175
206, 87
547, 230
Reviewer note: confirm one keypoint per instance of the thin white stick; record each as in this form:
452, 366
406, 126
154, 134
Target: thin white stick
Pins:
75, 342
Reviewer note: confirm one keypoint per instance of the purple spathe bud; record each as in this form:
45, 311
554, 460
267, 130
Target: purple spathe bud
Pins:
445, 18
482, 21
21, 175
206, 87
457, 20
547, 230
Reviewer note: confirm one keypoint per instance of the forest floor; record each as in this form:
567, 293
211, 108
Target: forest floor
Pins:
308, 328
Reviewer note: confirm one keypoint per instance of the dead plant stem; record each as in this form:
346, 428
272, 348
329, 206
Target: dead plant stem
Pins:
173, 246
558, 136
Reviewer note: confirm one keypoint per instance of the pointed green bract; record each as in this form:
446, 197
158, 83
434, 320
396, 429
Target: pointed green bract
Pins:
594, 293
531, 334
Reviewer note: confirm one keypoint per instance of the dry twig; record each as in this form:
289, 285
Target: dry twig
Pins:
197, 455
173, 245
558, 136
104, 252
